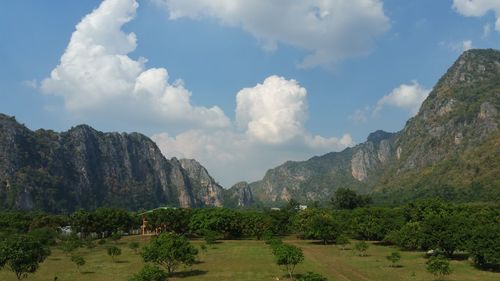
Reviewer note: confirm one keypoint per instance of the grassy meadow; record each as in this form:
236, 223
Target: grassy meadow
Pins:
250, 260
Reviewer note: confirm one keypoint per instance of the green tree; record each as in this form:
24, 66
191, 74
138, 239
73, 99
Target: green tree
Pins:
22, 255
318, 224
361, 248
311, 276
439, 266
78, 261
484, 245
210, 237
150, 273
170, 250
134, 246
288, 256
345, 198
342, 240
394, 258
113, 252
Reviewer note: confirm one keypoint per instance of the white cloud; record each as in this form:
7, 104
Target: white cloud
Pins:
458, 47
406, 96
360, 115
272, 112
331, 30
467, 45
95, 75
486, 30
478, 8
270, 129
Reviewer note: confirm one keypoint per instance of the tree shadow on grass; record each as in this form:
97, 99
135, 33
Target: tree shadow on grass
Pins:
183, 274
121, 261
88, 272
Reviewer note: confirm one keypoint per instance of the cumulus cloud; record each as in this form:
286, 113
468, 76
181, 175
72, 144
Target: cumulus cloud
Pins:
478, 8
406, 96
269, 129
274, 111
331, 30
95, 74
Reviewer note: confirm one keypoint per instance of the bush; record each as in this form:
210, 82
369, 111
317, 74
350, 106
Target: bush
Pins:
439, 266
361, 248
210, 237
484, 246
78, 261
150, 273
394, 257
114, 251
311, 276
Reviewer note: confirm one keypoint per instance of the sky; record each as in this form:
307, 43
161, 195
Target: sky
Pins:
240, 85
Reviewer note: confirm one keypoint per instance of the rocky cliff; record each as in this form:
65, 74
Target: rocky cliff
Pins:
451, 148
239, 195
85, 168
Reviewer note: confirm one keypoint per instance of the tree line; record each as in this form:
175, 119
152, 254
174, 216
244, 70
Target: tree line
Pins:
428, 225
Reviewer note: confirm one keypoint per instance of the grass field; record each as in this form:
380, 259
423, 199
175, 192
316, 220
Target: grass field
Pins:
249, 260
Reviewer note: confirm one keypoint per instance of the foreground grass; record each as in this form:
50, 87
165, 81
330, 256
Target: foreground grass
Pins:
249, 260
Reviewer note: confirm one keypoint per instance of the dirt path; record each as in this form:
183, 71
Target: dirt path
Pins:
332, 265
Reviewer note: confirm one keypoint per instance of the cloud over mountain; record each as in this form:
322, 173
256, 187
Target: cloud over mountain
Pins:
96, 75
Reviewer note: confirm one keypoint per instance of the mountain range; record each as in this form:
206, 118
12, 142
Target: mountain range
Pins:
450, 149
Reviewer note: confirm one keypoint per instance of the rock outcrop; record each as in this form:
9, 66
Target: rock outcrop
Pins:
451, 148
85, 168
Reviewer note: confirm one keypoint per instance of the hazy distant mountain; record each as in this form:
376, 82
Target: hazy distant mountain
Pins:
451, 148
85, 168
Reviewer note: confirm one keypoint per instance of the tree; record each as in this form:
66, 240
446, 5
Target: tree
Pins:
288, 256
210, 237
69, 245
484, 245
394, 257
22, 255
170, 250
311, 276
114, 251
439, 266
361, 248
345, 198
318, 224
134, 246
342, 240
78, 261
150, 273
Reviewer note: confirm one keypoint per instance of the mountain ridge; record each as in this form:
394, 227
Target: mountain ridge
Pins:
85, 168
459, 115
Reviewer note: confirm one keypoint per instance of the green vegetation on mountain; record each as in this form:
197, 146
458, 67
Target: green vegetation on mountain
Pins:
450, 149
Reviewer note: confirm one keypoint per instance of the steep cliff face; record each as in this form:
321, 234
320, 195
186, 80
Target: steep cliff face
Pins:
318, 177
207, 191
239, 195
85, 168
451, 148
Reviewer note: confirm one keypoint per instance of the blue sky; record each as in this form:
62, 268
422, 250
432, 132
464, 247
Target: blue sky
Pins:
329, 73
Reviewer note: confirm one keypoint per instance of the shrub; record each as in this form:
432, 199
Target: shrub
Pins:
439, 266
361, 248
150, 273
394, 257
311, 276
